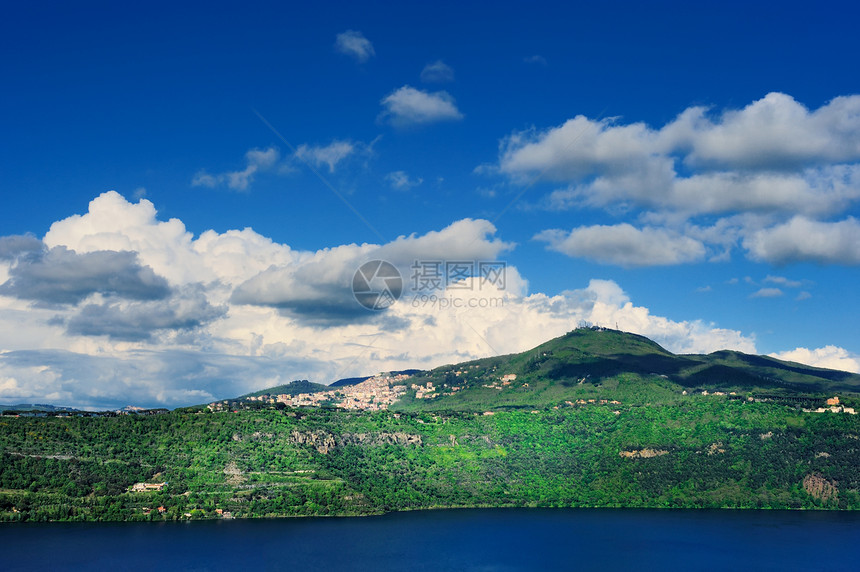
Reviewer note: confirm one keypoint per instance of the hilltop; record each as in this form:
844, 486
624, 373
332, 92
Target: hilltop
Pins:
589, 361
586, 363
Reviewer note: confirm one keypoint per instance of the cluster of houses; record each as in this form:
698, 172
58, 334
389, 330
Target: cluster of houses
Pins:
424, 391
429, 390
373, 394
594, 402
503, 382
147, 487
833, 406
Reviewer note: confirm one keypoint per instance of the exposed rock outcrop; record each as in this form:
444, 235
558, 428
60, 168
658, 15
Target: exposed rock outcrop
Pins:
819, 487
643, 453
324, 441
234, 474
716, 448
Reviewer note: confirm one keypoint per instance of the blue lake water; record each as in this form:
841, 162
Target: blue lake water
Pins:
471, 540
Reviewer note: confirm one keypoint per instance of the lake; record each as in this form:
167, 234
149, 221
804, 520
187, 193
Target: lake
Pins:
467, 539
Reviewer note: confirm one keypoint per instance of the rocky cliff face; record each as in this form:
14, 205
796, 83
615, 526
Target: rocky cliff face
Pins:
819, 487
324, 441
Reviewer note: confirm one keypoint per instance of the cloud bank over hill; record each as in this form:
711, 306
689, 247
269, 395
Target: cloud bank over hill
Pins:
115, 306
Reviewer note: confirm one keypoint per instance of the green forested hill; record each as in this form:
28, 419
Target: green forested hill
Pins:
590, 361
592, 419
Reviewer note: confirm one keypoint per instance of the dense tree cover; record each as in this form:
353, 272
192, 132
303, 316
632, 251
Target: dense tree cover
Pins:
655, 450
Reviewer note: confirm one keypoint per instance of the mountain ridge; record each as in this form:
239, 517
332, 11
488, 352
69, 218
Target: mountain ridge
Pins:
606, 361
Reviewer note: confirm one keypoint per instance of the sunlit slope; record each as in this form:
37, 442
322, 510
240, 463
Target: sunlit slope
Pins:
609, 364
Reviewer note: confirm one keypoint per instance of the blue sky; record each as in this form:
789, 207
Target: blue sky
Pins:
188, 190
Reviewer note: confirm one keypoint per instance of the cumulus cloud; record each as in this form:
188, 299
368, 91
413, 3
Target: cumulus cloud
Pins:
579, 148
17, 245
804, 240
611, 164
783, 281
256, 161
62, 276
112, 223
401, 181
766, 293
654, 185
625, 245
523, 321
409, 106
318, 290
355, 45
775, 132
329, 155
437, 72
830, 357
768, 170
139, 321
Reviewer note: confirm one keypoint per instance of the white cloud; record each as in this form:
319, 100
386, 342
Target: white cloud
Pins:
804, 240
61, 276
523, 322
401, 181
330, 155
773, 171
605, 303
318, 289
437, 72
112, 223
775, 132
766, 293
354, 44
830, 357
256, 161
625, 245
409, 106
638, 179
783, 281
580, 148
179, 315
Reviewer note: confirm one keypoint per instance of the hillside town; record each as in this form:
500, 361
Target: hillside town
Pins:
373, 394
